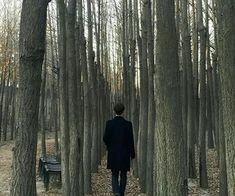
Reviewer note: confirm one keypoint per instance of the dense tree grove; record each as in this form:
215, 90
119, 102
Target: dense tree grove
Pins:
64, 64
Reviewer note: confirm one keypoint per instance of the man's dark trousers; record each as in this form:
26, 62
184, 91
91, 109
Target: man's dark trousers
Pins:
119, 188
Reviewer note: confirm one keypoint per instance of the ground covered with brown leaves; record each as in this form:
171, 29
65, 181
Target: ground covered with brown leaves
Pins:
213, 176
101, 181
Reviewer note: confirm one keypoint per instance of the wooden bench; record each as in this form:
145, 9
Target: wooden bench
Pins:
47, 167
46, 160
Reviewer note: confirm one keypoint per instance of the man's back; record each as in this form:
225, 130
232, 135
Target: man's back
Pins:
119, 140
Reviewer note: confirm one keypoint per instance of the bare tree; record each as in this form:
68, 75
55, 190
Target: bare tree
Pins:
74, 132
202, 111
226, 30
42, 107
170, 175
63, 83
32, 49
87, 108
92, 71
143, 125
187, 61
151, 101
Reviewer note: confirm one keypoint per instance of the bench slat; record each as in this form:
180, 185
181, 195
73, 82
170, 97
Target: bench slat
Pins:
53, 168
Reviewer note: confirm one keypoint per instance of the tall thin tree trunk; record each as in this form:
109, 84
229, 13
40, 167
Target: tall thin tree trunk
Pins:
32, 49
138, 41
42, 107
143, 125
54, 101
3, 83
133, 101
187, 61
210, 99
168, 161
151, 103
220, 131
13, 105
87, 108
80, 98
226, 23
6, 107
125, 53
63, 86
210, 138
87, 125
92, 71
97, 71
195, 72
202, 109
74, 132
223, 178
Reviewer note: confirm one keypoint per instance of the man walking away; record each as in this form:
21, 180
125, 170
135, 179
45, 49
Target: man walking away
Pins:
118, 138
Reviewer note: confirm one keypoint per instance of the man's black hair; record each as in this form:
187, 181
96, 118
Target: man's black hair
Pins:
119, 108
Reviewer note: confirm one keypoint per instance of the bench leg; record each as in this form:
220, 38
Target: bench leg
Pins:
60, 180
46, 180
40, 168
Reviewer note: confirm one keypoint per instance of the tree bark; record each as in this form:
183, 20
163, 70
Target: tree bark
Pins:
63, 84
125, 56
143, 121
136, 111
42, 107
151, 103
210, 100
80, 97
223, 179
3, 84
92, 71
227, 25
169, 164
195, 72
54, 97
74, 132
202, 109
6, 107
87, 125
187, 61
13, 105
223, 191
87, 108
32, 49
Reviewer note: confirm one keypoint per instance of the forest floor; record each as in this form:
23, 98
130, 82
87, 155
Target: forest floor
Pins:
101, 181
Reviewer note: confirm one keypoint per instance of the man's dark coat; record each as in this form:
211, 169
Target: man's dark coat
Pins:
118, 138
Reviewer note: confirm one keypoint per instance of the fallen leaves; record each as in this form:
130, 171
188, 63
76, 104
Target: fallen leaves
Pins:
101, 181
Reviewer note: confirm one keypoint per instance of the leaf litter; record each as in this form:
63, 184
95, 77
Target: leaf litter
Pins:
101, 181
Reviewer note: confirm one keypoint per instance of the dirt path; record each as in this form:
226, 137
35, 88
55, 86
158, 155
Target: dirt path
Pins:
5, 166
101, 181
